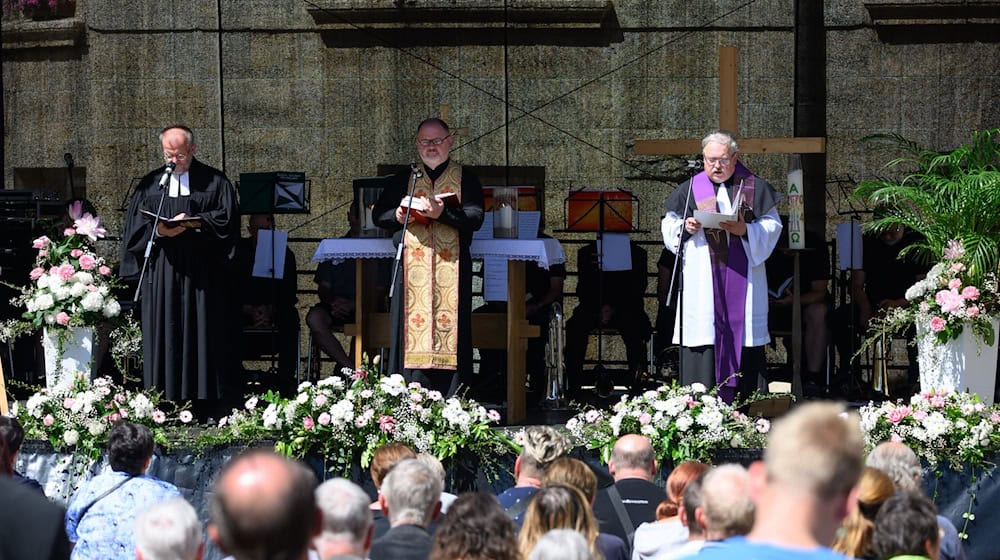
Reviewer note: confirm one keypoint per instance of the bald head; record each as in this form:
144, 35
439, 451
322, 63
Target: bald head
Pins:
632, 457
264, 507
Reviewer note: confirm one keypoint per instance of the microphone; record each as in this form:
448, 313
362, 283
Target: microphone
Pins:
415, 170
166, 173
695, 164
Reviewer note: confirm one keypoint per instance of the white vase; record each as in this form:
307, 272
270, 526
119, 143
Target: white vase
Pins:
957, 365
76, 356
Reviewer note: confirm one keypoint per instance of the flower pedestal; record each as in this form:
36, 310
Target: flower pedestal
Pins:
67, 357
960, 364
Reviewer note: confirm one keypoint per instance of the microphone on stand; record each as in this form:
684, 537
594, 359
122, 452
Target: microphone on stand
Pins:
415, 170
166, 174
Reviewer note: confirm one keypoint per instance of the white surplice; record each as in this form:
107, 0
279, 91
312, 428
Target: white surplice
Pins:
699, 302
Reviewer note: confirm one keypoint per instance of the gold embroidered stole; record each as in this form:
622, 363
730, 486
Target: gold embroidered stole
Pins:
430, 278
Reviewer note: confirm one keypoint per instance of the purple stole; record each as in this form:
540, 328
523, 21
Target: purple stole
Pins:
729, 278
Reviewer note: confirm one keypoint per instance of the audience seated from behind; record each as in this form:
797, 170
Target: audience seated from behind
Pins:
906, 528
542, 445
410, 498
102, 514
633, 466
668, 532
803, 488
269, 303
432, 462
476, 529
264, 506
855, 538
561, 544
347, 531
12, 434
169, 530
902, 465
575, 473
608, 299
335, 284
30, 525
691, 516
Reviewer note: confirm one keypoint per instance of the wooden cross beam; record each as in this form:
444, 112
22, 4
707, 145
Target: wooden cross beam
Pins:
728, 120
446, 115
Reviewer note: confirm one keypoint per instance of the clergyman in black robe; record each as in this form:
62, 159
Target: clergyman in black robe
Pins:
188, 313
438, 175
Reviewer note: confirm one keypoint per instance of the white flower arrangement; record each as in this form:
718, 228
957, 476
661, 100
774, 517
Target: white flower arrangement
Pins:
683, 422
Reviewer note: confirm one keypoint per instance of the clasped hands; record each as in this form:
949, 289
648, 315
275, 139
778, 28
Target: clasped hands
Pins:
432, 208
736, 227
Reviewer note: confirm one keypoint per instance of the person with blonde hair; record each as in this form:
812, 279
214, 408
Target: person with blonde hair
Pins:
577, 474
558, 507
667, 532
804, 487
542, 446
855, 538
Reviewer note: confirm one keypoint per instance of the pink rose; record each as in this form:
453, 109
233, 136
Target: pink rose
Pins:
123, 413
69, 231
75, 253
954, 283
68, 402
66, 271
919, 415
92, 288
949, 300
957, 267
324, 419
995, 417
937, 324
937, 401
386, 423
307, 423
970, 292
114, 417
104, 270
320, 400
43, 253
40, 242
972, 312
62, 318
36, 273
896, 415
87, 262
48, 420
645, 418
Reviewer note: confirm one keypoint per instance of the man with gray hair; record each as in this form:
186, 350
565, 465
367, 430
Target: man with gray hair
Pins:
803, 489
169, 530
411, 499
346, 531
902, 465
729, 335
632, 499
542, 445
726, 507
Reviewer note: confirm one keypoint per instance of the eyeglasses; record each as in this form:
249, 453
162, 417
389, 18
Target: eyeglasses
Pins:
714, 160
432, 142
178, 157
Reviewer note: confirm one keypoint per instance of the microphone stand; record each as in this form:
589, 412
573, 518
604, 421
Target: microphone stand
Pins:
678, 263
153, 235
414, 174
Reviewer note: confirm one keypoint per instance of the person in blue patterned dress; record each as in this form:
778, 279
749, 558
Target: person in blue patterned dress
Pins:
101, 517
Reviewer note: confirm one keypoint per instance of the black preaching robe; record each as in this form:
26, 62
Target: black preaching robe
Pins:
188, 312
466, 219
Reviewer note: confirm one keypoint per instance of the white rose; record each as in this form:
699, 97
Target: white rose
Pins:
44, 281
112, 308
44, 301
61, 293
104, 290
71, 437
77, 290
93, 301
83, 277
95, 428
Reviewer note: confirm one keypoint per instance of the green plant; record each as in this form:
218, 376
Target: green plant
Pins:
943, 196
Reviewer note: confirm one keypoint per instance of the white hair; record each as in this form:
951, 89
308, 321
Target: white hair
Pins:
169, 530
411, 490
561, 544
725, 499
723, 137
899, 462
346, 512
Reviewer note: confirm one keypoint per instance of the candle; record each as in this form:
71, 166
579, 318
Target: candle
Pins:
503, 218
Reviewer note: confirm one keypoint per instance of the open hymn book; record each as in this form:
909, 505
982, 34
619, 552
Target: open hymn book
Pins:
449, 199
187, 221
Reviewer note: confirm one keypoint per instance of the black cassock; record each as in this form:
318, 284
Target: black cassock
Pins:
189, 313
466, 220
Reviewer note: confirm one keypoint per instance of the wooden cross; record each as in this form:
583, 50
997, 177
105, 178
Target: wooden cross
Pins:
445, 115
728, 120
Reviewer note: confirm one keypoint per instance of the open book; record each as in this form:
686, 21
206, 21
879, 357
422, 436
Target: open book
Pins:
188, 221
449, 199
780, 292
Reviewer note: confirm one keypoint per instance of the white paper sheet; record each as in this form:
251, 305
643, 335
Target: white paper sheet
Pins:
527, 224
713, 220
850, 250
269, 261
495, 279
616, 254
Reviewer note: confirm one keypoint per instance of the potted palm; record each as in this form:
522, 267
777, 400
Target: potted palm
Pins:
952, 199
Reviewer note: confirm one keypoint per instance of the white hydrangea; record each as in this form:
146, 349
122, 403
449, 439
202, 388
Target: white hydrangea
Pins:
43, 301
112, 308
93, 301
35, 404
684, 422
82, 277
77, 290
62, 293
95, 428
711, 418
71, 437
